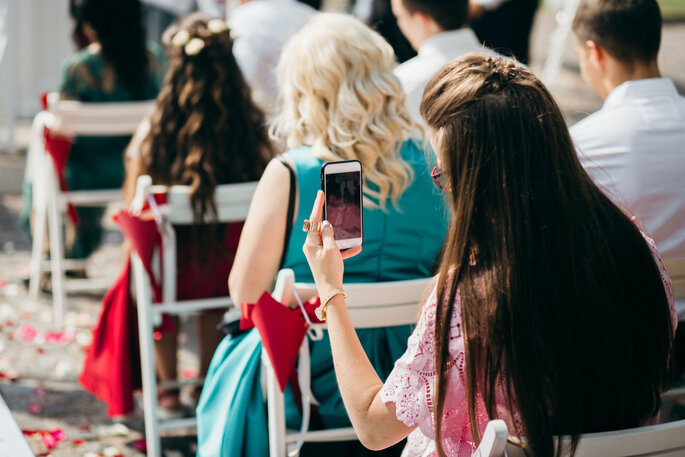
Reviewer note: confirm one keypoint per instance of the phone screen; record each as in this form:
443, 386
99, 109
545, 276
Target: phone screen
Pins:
343, 204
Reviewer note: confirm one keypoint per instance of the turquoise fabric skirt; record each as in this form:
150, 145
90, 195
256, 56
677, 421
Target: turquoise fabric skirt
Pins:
231, 413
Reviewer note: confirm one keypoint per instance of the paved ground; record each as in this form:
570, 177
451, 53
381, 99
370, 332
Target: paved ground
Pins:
38, 369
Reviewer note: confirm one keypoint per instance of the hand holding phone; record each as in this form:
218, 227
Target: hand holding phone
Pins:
341, 183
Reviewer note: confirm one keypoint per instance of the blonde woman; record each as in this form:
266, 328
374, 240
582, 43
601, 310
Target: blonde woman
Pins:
340, 101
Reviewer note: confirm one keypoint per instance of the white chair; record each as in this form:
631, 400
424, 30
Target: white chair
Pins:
664, 440
384, 304
69, 118
233, 202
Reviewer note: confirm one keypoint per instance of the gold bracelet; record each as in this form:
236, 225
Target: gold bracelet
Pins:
321, 310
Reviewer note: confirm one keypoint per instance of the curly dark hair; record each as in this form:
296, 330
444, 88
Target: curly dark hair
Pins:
205, 129
118, 25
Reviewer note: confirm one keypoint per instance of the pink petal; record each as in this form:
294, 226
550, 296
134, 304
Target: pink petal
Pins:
140, 445
35, 408
49, 441
40, 390
189, 374
58, 434
27, 333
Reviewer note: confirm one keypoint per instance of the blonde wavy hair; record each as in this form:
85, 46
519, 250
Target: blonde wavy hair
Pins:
340, 96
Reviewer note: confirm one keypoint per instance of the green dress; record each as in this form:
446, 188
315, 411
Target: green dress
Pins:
399, 244
97, 162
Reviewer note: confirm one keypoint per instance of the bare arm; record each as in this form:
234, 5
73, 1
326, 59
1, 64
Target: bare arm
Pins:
261, 243
132, 164
375, 422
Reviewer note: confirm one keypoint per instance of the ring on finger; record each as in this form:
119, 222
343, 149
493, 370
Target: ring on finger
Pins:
311, 226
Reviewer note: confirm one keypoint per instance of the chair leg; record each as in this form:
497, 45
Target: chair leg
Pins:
276, 411
147, 359
39, 233
55, 227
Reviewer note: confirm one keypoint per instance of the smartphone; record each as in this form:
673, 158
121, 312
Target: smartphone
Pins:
341, 183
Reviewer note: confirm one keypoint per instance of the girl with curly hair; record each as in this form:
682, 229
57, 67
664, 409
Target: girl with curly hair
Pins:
204, 131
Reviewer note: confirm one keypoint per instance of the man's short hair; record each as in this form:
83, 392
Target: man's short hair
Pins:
448, 14
629, 30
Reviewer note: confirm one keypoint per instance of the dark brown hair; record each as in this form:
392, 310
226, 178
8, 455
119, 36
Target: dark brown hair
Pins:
118, 25
448, 14
562, 303
205, 129
629, 30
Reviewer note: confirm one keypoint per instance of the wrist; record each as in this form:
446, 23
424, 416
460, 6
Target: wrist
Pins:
326, 300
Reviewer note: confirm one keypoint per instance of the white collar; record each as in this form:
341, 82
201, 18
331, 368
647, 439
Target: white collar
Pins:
641, 88
444, 42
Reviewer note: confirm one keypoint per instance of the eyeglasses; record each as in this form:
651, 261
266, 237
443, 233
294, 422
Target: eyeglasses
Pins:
436, 176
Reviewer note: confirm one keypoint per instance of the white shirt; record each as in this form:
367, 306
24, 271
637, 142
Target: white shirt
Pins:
634, 150
433, 53
261, 28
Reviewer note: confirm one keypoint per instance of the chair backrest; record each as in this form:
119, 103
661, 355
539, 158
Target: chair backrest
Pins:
96, 119
232, 201
381, 304
665, 440
384, 304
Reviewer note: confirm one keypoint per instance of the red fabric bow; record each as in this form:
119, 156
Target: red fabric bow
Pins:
58, 147
111, 370
281, 329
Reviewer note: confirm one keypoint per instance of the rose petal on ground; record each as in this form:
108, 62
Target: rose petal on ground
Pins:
119, 430
49, 441
35, 408
27, 333
112, 451
58, 434
11, 290
140, 445
189, 373
77, 442
84, 338
40, 390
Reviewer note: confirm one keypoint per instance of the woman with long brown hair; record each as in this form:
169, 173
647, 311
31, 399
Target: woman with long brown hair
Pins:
551, 309
205, 131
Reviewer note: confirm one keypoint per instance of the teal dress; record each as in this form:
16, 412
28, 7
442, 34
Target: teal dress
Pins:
399, 244
97, 162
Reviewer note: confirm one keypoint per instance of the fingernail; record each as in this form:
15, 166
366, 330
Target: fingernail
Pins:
325, 224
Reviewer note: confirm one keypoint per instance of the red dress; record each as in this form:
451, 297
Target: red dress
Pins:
111, 369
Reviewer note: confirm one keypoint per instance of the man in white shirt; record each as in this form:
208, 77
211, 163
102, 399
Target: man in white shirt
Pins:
634, 146
438, 30
261, 28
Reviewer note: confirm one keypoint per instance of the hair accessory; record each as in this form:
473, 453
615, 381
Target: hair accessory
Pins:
311, 226
321, 310
194, 46
180, 38
216, 26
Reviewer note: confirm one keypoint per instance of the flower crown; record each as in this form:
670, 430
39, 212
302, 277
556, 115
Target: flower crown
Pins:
193, 46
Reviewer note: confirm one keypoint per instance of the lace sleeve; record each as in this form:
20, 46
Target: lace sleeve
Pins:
411, 384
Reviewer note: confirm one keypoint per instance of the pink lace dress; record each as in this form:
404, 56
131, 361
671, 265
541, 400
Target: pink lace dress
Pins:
411, 385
